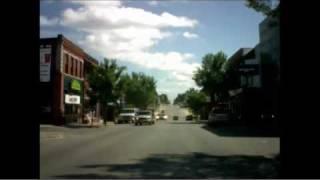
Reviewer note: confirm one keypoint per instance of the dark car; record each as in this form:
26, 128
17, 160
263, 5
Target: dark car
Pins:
175, 118
189, 118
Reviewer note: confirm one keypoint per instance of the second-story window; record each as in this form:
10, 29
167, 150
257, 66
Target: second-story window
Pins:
65, 60
74, 67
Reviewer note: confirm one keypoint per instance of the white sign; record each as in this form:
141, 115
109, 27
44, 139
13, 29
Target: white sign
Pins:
72, 99
45, 64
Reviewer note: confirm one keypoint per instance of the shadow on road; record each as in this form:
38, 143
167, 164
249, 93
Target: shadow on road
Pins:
194, 165
240, 131
185, 122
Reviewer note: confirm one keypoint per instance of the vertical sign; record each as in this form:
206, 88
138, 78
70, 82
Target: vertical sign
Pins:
45, 64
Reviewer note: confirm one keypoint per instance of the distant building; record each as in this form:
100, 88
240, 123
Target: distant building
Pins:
63, 84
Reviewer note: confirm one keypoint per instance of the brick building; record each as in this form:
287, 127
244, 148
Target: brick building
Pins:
63, 84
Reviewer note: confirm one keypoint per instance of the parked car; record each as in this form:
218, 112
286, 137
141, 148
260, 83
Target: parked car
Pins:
156, 115
218, 114
189, 118
175, 118
144, 117
127, 115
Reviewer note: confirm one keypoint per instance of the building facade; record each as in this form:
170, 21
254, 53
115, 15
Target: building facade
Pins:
254, 74
62, 80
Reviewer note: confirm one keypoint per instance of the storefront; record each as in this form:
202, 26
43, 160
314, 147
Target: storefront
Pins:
73, 100
62, 76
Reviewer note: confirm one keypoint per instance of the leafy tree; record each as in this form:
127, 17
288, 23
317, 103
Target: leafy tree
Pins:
211, 76
105, 82
140, 90
180, 99
194, 100
264, 7
164, 99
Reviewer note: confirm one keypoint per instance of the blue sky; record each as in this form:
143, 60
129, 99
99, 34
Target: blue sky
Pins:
152, 37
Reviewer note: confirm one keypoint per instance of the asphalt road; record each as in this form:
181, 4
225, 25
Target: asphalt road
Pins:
168, 149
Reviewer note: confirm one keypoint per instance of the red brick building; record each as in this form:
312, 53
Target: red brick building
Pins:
63, 70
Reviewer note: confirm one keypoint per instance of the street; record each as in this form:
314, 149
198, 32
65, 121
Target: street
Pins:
168, 149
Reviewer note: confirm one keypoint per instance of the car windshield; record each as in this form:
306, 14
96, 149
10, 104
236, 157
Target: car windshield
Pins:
127, 111
144, 113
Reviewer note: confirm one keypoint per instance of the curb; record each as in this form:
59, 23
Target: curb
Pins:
51, 135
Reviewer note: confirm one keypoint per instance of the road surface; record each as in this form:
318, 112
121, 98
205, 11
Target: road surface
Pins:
168, 149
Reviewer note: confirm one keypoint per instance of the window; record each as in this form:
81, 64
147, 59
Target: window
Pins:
78, 68
81, 69
71, 65
74, 67
65, 60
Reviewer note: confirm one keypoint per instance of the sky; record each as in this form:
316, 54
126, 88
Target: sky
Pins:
164, 39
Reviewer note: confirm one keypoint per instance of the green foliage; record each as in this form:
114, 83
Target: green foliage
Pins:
104, 81
263, 7
193, 99
211, 75
180, 100
164, 99
139, 90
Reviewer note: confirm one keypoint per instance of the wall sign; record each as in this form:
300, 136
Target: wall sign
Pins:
72, 99
75, 85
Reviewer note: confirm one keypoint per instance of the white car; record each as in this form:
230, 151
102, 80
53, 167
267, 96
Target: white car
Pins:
127, 115
162, 116
144, 117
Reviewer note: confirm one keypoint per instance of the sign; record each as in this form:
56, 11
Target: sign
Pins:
75, 85
72, 99
45, 64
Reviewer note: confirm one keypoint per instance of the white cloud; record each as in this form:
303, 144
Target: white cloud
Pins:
114, 15
128, 34
98, 3
190, 35
153, 3
44, 21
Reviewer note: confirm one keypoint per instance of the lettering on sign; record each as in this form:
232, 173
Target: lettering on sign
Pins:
72, 99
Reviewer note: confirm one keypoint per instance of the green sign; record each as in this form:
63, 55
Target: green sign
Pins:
75, 85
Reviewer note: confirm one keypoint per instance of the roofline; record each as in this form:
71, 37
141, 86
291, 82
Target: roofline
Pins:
88, 58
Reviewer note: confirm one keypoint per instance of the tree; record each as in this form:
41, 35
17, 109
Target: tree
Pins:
140, 90
105, 83
264, 7
180, 100
164, 99
194, 100
211, 76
